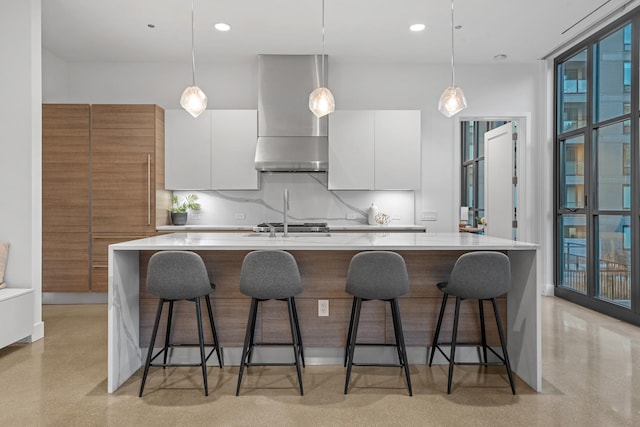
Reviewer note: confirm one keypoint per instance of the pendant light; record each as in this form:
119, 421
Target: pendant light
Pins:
193, 98
321, 100
452, 100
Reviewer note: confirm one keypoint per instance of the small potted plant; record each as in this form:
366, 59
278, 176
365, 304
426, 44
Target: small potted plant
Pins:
179, 209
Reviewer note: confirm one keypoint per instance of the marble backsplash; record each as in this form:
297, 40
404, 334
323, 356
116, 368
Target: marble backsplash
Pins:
309, 201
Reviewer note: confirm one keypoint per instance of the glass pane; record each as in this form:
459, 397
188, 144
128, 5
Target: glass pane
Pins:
614, 259
612, 76
572, 172
612, 144
572, 93
470, 185
468, 132
481, 184
482, 129
573, 250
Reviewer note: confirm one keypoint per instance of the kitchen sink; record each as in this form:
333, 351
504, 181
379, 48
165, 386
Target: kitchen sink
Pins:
291, 235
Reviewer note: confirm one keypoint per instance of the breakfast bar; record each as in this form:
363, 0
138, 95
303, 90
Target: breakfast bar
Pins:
323, 261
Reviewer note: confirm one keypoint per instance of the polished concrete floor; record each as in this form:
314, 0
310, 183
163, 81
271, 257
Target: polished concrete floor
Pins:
590, 363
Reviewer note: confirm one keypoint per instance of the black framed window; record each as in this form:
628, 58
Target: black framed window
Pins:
596, 179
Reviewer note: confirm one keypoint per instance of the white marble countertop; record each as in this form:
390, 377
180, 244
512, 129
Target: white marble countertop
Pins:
321, 241
332, 227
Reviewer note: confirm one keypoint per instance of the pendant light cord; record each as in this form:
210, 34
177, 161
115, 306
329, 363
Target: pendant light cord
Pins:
322, 43
193, 49
453, 75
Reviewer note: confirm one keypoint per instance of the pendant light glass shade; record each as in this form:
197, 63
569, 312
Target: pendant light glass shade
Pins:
321, 102
452, 101
193, 99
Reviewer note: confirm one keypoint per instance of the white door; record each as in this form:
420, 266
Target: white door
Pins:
499, 173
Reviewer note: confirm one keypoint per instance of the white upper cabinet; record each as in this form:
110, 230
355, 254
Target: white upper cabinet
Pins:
351, 150
234, 134
397, 159
187, 148
215, 151
374, 150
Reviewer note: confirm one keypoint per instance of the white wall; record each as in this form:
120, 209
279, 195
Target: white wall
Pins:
20, 147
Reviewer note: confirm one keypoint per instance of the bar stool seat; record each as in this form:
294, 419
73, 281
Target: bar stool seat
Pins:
271, 275
376, 275
482, 276
174, 276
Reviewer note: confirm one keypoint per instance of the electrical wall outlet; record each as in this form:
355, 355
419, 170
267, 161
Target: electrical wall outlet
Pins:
239, 215
351, 215
323, 307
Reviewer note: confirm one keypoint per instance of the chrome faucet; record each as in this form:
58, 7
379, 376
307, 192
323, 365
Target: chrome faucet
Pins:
285, 213
272, 231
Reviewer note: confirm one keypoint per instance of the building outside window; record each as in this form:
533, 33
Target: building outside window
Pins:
597, 124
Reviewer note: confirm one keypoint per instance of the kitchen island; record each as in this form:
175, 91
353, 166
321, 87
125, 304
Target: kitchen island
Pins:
323, 260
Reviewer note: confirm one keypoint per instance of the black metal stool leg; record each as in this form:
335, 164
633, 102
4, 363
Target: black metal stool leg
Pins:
203, 358
483, 330
252, 337
295, 317
167, 337
396, 333
247, 341
504, 346
294, 338
436, 335
151, 344
352, 344
454, 335
397, 320
346, 349
214, 333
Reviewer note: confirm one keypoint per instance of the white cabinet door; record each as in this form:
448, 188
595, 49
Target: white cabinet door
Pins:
397, 150
187, 146
351, 150
233, 148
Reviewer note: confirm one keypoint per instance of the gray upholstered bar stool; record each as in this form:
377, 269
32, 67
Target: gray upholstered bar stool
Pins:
482, 276
271, 275
174, 276
376, 275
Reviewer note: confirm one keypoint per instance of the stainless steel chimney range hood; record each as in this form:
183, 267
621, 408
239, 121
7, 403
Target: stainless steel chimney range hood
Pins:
290, 137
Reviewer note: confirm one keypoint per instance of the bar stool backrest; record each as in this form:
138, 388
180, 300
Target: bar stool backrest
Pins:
480, 275
177, 275
270, 275
377, 275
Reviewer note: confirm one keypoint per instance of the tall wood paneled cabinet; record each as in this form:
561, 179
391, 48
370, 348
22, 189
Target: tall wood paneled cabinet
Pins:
65, 198
126, 198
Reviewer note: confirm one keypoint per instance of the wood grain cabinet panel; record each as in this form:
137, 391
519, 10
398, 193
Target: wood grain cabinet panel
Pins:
65, 197
65, 262
65, 168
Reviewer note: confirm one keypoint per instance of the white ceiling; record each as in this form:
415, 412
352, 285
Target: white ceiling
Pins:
366, 30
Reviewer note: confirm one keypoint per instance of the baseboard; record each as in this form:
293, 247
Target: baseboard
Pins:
548, 290
74, 298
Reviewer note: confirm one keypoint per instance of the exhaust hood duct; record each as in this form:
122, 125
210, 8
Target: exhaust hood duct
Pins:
290, 137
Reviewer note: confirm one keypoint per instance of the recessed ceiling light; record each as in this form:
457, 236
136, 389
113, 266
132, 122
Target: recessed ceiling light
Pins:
417, 27
221, 26
500, 57
151, 26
